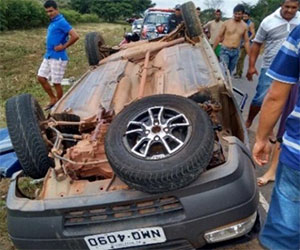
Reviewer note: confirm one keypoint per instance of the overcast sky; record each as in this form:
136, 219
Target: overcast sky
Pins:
227, 8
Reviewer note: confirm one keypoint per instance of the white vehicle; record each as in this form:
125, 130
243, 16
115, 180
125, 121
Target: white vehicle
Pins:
137, 25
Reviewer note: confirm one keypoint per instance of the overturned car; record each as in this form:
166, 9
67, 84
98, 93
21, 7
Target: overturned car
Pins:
147, 151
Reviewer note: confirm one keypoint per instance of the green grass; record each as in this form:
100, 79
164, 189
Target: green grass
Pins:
5, 242
21, 54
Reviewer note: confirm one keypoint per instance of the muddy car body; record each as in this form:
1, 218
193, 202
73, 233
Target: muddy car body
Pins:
111, 127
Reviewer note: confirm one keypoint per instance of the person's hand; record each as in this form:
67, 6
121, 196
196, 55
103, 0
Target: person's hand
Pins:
261, 152
59, 47
251, 72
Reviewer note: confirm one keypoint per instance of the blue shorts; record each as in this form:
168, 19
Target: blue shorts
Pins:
263, 85
229, 57
282, 227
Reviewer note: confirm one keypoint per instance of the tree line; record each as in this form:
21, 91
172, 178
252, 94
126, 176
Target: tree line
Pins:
262, 9
257, 11
22, 14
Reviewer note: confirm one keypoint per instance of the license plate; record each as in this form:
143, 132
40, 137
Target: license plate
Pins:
126, 238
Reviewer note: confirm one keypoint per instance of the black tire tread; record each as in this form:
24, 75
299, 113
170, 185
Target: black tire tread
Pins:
25, 134
92, 42
165, 179
191, 20
155, 183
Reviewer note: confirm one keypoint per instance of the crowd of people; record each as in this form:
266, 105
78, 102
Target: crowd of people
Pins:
276, 96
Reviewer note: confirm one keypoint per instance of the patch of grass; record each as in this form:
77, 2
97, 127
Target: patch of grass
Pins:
21, 53
28, 186
5, 242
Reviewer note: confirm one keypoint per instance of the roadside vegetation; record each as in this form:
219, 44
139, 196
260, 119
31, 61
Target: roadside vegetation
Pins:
21, 53
28, 14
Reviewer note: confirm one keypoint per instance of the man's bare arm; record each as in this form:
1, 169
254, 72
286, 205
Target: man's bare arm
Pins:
255, 49
246, 41
270, 113
73, 38
252, 30
220, 36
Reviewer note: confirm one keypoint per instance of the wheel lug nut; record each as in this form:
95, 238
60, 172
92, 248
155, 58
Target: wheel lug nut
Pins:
166, 130
156, 138
147, 132
155, 123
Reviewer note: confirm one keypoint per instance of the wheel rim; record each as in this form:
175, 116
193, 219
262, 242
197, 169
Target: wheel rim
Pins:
157, 133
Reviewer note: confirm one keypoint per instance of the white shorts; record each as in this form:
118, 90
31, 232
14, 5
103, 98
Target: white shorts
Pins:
53, 69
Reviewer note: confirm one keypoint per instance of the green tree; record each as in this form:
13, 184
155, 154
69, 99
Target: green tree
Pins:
3, 11
24, 14
111, 10
60, 3
82, 6
207, 15
262, 9
106, 9
139, 6
213, 4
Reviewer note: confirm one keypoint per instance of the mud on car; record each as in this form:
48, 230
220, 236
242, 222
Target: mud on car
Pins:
146, 151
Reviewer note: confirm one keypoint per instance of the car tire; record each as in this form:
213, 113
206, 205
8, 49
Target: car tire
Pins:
23, 115
93, 41
191, 20
160, 167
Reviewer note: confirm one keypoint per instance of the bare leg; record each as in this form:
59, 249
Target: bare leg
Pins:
271, 172
254, 110
59, 90
46, 86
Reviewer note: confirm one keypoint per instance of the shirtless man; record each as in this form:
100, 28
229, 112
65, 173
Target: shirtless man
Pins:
231, 34
251, 34
214, 27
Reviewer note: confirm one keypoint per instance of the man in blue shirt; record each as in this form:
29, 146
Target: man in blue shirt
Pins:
282, 228
55, 59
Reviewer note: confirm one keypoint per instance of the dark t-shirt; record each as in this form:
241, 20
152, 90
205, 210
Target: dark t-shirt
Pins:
174, 20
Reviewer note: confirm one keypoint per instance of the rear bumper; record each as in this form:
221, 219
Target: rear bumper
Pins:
220, 196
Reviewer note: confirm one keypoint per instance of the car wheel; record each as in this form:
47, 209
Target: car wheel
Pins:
160, 143
93, 41
24, 116
191, 20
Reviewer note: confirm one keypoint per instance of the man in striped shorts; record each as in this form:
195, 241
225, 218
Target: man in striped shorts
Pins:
282, 227
272, 32
55, 59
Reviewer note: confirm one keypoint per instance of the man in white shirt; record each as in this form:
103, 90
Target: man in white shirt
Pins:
272, 32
